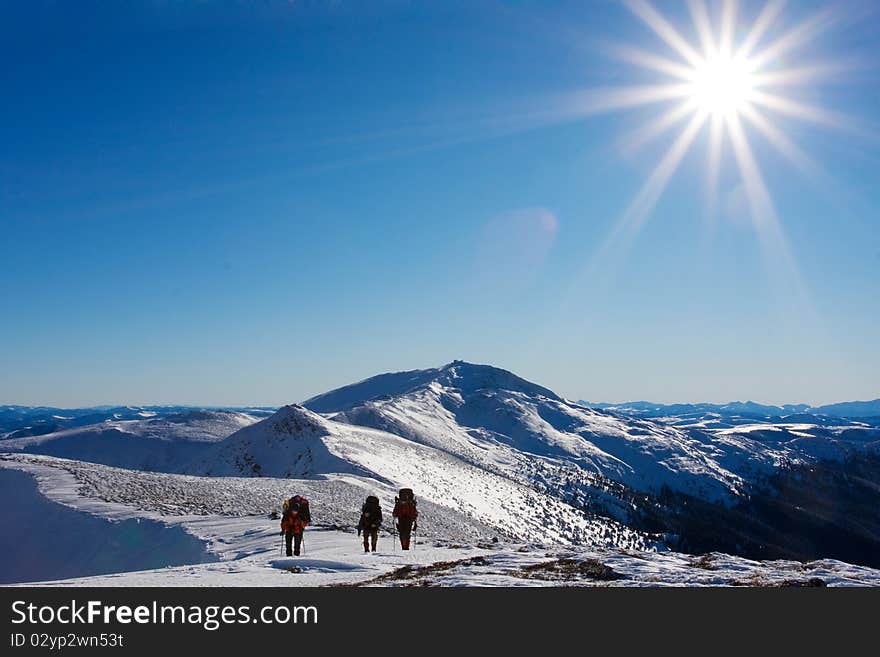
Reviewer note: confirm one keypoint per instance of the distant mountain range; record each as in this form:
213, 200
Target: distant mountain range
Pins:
853, 409
29, 421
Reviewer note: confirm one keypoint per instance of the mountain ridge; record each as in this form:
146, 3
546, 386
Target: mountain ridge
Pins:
847, 409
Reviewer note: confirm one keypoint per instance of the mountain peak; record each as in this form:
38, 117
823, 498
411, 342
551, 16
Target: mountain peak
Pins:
464, 376
470, 377
295, 419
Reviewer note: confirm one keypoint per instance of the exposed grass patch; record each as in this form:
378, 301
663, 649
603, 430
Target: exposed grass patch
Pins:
634, 554
812, 582
705, 562
569, 569
415, 575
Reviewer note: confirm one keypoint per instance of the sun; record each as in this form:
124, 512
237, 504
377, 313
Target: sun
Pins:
729, 82
722, 85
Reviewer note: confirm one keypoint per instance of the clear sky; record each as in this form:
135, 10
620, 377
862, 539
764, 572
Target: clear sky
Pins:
236, 203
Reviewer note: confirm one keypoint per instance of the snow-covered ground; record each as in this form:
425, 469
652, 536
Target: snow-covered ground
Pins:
490, 455
334, 558
231, 516
44, 540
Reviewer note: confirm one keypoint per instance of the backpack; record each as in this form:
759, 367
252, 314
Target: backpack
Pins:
371, 513
405, 505
291, 521
302, 507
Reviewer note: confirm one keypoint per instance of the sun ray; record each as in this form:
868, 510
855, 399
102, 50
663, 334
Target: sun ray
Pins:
793, 38
603, 100
791, 151
700, 17
796, 109
765, 19
799, 76
651, 131
653, 188
662, 28
764, 217
652, 62
602, 262
728, 25
716, 134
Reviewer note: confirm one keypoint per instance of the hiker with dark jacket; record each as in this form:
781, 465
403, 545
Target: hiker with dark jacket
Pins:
294, 520
371, 520
406, 514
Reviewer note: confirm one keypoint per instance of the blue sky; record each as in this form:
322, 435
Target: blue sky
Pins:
234, 204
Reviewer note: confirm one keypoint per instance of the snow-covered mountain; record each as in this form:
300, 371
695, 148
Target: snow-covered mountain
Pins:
493, 419
516, 457
749, 409
664, 474
28, 421
458, 374
296, 442
154, 442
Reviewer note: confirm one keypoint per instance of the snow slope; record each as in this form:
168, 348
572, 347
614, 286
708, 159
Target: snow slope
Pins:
216, 510
498, 429
334, 558
296, 442
497, 421
80, 543
164, 444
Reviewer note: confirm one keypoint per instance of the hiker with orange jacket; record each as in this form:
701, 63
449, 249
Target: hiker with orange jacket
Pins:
406, 514
294, 520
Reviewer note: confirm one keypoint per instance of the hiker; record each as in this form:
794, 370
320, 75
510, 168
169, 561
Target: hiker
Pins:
371, 520
406, 514
294, 520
